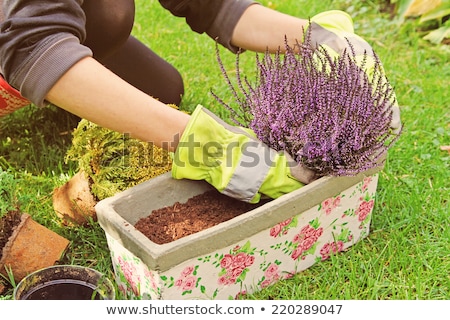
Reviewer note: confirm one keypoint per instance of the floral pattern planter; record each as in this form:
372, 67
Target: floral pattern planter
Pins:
259, 251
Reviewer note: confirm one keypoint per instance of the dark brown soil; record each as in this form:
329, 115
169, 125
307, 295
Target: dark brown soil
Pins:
198, 213
7, 226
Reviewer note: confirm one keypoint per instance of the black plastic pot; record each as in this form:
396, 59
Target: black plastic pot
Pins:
65, 282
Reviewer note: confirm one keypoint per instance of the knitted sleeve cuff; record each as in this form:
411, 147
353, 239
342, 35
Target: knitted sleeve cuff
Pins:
52, 61
223, 25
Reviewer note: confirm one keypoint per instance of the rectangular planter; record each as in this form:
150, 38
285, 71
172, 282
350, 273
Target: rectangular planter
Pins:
242, 255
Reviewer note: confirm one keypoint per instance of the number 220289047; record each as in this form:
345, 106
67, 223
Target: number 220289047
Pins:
306, 309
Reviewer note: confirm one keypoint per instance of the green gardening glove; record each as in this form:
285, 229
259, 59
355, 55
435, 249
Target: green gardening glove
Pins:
233, 161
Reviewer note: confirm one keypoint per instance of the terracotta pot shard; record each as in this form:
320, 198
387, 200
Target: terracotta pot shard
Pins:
30, 248
73, 202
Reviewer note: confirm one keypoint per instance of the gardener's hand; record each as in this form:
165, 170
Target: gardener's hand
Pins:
233, 161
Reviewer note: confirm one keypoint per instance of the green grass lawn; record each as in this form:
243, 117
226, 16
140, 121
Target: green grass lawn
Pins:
407, 254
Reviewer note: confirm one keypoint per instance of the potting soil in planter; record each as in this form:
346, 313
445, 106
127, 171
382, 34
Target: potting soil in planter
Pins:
198, 213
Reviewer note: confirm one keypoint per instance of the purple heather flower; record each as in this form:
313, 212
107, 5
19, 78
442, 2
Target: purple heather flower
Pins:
325, 112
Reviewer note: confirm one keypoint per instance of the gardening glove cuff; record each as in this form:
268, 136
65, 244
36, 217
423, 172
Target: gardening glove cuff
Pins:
333, 31
231, 159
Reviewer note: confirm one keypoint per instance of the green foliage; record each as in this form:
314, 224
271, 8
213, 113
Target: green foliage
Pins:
10, 196
114, 161
36, 139
438, 35
432, 15
7, 188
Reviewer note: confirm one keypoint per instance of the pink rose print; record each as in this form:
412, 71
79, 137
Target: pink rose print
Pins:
331, 203
331, 247
129, 270
242, 260
336, 201
286, 222
187, 281
226, 261
187, 271
272, 271
276, 230
304, 240
122, 288
289, 275
224, 280
271, 275
327, 203
366, 183
240, 295
148, 275
297, 253
365, 208
307, 243
265, 283
233, 266
179, 282
236, 272
281, 228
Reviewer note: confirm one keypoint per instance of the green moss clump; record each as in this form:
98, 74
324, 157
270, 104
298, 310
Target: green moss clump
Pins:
114, 161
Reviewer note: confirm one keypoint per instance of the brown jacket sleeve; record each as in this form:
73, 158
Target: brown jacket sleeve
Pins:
215, 17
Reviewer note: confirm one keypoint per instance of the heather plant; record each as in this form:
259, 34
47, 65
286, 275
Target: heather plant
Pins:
326, 112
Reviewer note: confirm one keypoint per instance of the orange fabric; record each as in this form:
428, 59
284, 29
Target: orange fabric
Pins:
10, 99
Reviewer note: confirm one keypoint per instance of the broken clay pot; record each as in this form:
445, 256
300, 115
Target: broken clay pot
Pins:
73, 202
30, 248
